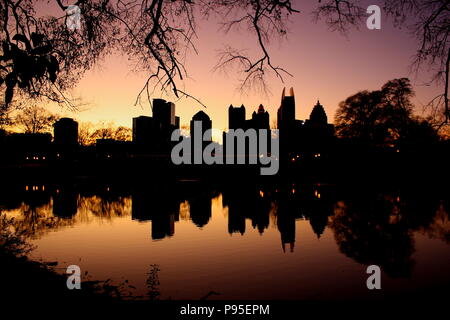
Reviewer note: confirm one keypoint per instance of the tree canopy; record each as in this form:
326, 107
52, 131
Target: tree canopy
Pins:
383, 117
35, 119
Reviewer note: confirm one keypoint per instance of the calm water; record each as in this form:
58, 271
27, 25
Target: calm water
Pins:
290, 242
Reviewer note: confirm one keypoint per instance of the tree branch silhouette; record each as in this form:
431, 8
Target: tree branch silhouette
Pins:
427, 21
42, 58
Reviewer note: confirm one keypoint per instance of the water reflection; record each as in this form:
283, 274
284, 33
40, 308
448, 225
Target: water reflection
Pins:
159, 206
377, 227
255, 208
370, 226
65, 202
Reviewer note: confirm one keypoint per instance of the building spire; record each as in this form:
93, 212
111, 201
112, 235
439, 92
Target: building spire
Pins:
283, 94
318, 114
291, 92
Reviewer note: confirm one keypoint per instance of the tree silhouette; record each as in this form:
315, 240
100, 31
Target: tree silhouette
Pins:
13, 239
88, 132
109, 131
4, 120
357, 115
426, 20
35, 119
369, 230
41, 57
383, 117
85, 131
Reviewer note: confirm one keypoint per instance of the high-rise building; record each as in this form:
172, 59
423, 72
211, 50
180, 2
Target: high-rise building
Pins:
318, 115
205, 121
197, 142
143, 130
154, 133
236, 117
260, 119
286, 112
164, 113
318, 133
65, 132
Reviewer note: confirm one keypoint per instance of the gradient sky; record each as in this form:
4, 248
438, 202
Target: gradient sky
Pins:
325, 65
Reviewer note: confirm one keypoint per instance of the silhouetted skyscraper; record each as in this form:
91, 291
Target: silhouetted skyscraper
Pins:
260, 119
65, 132
204, 119
164, 113
286, 112
154, 133
143, 130
318, 115
318, 133
197, 132
236, 117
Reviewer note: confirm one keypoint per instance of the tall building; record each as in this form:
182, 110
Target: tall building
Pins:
318, 115
28, 147
164, 113
204, 119
143, 130
236, 117
318, 133
260, 119
286, 112
154, 133
206, 124
65, 132
313, 136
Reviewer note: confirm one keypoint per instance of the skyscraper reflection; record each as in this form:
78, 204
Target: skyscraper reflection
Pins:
200, 209
159, 206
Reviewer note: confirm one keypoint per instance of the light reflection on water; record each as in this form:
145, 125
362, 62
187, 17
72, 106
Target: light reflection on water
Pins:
301, 242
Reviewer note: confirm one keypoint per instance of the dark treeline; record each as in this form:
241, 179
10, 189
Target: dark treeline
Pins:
375, 136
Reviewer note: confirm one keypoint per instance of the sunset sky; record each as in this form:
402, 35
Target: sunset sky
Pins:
325, 65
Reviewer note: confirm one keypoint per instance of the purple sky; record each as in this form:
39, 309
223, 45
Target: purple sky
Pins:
325, 65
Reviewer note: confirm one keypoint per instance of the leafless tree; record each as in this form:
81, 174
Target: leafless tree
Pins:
340, 15
85, 131
43, 58
35, 120
264, 18
88, 132
427, 20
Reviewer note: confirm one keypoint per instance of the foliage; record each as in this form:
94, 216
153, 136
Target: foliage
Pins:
89, 132
12, 237
426, 20
383, 117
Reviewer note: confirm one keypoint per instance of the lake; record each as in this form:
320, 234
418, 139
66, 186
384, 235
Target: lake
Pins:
188, 240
